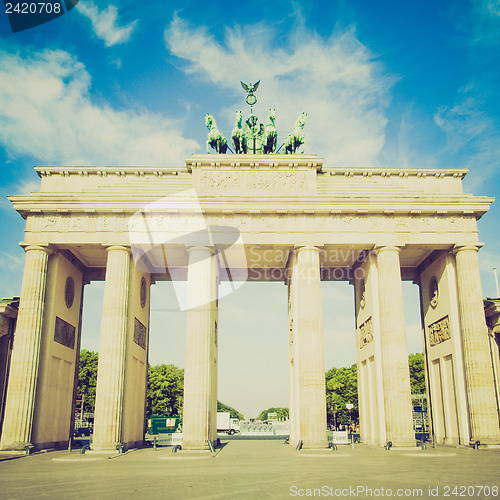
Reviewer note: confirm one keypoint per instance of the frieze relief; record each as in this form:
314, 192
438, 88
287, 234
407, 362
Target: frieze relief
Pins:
288, 222
140, 334
78, 223
254, 180
64, 333
366, 333
439, 331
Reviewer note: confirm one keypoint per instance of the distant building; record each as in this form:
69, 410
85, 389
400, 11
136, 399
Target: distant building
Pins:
492, 313
8, 318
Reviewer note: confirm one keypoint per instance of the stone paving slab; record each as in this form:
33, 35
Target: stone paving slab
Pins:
250, 470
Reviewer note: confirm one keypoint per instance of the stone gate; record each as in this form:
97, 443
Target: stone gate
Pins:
223, 219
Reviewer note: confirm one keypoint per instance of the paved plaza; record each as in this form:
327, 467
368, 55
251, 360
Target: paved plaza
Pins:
254, 470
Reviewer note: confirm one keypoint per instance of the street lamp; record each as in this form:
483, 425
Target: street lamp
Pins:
350, 406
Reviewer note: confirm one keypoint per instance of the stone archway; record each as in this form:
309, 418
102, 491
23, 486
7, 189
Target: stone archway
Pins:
221, 219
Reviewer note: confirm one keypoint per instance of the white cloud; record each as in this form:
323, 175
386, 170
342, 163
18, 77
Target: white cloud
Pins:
105, 23
473, 134
46, 112
27, 187
335, 80
485, 16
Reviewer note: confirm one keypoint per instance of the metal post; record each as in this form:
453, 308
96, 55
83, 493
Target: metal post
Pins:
81, 411
496, 281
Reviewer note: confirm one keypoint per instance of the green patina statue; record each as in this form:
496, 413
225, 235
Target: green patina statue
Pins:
296, 139
215, 138
253, 137
238, 136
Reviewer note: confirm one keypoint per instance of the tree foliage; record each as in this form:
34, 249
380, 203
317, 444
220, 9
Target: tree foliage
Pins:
87, 379
283, 413
417, 373
234, 413
165, 390
341, 389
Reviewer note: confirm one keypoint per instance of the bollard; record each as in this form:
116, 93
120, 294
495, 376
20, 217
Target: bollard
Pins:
388, 445
155, 439
476, 445
27, 449
119, 448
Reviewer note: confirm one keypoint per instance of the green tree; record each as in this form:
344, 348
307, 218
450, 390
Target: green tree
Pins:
87, 379
416, 363
165, 390
342, 388
283, 413
234, 413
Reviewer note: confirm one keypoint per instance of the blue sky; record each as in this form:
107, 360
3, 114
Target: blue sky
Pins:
386, 83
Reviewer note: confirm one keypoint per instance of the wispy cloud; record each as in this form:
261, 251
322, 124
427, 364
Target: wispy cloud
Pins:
472, 134
27, 186
105, 23
336, 80
485, 15
46, 111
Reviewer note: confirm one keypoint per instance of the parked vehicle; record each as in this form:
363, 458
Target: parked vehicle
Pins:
83, 431
158, 424
225, 423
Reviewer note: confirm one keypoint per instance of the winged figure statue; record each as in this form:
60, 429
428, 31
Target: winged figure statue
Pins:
250, 88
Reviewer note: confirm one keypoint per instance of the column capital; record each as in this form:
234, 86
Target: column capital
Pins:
460, 248
124, 248
43, 248
299, 248
383, 248
205, 248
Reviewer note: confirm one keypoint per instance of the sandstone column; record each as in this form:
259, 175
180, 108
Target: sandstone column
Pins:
112, 346
294, 416
478, 371
20, 404
394, 349
310, 356
200, 372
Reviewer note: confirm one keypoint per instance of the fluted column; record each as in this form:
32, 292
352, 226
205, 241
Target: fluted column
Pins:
112, 346
293, 415
16, 433
478, 371
200, 371
310, 350
394, 349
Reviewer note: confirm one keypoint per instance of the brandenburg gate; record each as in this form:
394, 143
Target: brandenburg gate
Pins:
221, 219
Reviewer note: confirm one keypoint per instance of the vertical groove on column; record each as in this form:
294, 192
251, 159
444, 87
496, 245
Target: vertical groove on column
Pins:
26, 353
200, 372
308, 325
395, 370
477, 361
112, 345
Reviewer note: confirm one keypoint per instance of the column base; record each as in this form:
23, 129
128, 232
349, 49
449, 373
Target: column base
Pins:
486, 440
402, 443
323, 445
18, 446
107, 447
195, 445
